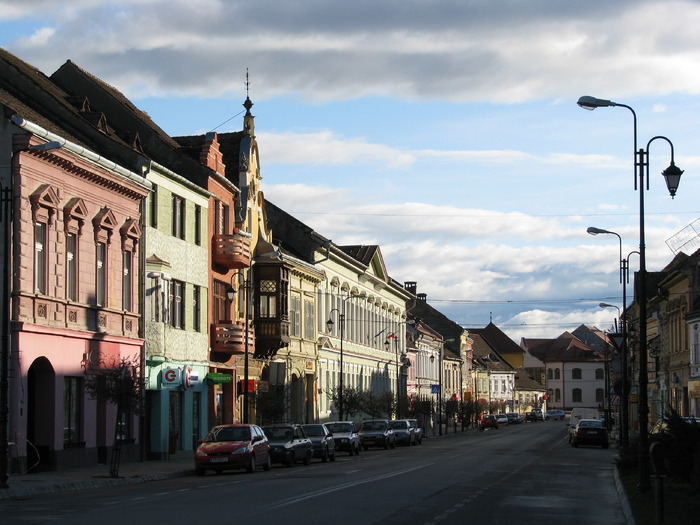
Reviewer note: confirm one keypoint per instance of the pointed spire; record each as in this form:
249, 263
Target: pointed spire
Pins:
248, 103
248, 119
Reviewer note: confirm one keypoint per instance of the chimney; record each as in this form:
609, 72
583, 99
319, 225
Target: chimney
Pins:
422, 297
411, 286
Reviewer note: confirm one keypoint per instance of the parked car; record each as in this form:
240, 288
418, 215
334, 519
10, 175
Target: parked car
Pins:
322, 440
665, 425
502, 419
590, 432
232, 447
403, 432
345, 436
534, 415
288, 444
376, 433
417, 430
514, 418
554, 413
488, 421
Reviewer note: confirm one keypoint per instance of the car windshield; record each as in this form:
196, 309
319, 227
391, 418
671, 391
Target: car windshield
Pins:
399, 425
590, 423
279, 432
314, 430
412, 424
339, 427
229, 434
373, 425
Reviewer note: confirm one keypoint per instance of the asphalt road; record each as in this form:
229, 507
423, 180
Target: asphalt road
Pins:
521, 474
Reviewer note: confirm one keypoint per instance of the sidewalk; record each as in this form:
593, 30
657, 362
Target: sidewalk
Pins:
21, 485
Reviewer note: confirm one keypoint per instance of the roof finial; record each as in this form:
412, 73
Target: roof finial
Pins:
247, 104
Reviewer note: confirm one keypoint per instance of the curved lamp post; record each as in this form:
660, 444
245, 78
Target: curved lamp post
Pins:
231, 296
672, 174
329, 326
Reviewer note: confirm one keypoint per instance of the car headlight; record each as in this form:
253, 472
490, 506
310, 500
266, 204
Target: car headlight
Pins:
240, 450
200, 453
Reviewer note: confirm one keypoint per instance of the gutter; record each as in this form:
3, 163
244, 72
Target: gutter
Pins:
81, 151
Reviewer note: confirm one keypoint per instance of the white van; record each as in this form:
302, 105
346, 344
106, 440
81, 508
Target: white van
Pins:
577, 414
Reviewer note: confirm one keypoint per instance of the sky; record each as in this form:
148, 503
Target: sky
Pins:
444, 131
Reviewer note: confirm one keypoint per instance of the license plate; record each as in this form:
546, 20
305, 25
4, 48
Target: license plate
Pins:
592, 432
218, 460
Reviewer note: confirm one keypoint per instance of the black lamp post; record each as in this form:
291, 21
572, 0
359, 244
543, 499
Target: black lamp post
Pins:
672, 174
231, 295
329, 326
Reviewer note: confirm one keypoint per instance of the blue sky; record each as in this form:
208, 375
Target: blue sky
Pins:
445, 131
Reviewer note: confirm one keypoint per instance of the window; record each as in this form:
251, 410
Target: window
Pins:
101, 274
71, 266
550, 373
124, 426
576, 396
294, 316
599, 395
575, 373
154, 207
127, 280
40, 257
178, 217
268, 298
219, 302
72, 393
197, 224
557, 394
177, 312
309, 320
196, 309
557, 374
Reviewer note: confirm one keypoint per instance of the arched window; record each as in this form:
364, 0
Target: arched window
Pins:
557, 394
576, 396
599, 373
599, 395
576, 373
550, 374
557, 374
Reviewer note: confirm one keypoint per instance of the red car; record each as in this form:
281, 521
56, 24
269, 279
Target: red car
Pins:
232, 447
488, 421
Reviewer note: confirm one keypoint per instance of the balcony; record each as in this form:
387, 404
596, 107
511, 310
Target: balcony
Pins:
231, 251
272, 334
230, 338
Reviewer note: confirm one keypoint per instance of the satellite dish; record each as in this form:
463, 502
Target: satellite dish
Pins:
493, 357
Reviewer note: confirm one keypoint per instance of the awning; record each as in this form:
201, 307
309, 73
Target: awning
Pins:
214, 378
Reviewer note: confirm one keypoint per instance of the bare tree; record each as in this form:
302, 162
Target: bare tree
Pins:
121, 385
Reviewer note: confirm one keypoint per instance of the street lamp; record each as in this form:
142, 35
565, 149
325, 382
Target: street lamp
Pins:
432, 360
329, 326
672, 174
7, 215
231, 296
607, 367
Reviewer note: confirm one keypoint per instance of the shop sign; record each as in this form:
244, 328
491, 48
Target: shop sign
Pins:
215, 378
190, 377
171, 377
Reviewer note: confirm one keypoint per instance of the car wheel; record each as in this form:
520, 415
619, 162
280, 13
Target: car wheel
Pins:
324, 455
605, 445
365, 447
574, 444
267, 466
199, 471
393, 444
307, 458
386, 445
332, 456
251, 465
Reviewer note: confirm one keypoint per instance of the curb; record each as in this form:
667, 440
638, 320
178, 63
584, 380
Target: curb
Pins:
624, 502
89, 484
